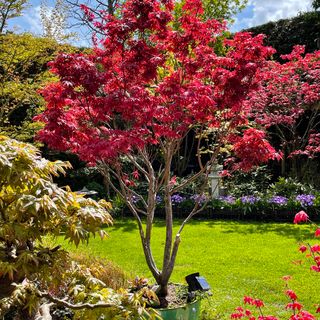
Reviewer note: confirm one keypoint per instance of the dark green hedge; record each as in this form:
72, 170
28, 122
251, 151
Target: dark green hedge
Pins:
284, 34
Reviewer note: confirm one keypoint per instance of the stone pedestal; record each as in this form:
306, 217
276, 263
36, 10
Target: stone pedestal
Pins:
214, 180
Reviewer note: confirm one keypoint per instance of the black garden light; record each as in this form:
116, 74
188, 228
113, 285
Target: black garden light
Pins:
197, 282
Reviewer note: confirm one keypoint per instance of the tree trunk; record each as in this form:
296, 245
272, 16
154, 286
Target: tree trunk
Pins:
162, 294
283, 165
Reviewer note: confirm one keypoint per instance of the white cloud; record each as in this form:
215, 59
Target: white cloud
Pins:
33, 21
262, 11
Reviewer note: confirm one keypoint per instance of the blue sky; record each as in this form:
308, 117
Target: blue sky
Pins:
257, 12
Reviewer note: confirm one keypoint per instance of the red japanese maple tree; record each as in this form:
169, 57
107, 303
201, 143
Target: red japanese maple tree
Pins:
127, 106
288, 103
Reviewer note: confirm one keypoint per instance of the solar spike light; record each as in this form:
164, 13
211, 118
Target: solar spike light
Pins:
197, 283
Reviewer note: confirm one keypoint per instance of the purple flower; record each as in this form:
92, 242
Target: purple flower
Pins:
228, 199
158, 199
249, 199
279, 200
199, 198
305, 199
177, 198
135, 199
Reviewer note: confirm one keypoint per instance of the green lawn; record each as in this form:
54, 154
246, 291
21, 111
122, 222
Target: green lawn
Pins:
237, 259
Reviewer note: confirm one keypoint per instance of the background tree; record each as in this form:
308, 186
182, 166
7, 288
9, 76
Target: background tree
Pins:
288, 102
284, 34
55, 22
128, 106
10, 9
23, 71
83, 11
225, 9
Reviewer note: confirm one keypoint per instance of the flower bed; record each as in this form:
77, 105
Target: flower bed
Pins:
269, 207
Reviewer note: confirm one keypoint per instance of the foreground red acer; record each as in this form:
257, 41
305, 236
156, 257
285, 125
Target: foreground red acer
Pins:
127, 107
294, 306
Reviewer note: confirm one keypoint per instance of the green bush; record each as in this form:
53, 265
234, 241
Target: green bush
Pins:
288, 187
285, 33
23, 71
248, 183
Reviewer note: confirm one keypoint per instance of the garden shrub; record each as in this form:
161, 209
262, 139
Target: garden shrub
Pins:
285, 33
267, 202
287, 103
248, 183
289, 186
106, 271
33, 274
23, 71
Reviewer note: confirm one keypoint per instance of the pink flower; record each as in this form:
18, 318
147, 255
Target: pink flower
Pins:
291, 294
225, 173
239, 309
286, 278
315, 268
305, 315
317, 260
315, 248
248, 300
248, 313
317, 233
135, 174
294, 306
301, 216
303, 248
173, 180
237, 315
258, 303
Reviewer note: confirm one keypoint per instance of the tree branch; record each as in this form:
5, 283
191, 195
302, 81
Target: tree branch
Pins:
79, 306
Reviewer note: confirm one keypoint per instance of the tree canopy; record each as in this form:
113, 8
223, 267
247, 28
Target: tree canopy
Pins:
127, 106
287, 102
316, 4
23, 71
10, 9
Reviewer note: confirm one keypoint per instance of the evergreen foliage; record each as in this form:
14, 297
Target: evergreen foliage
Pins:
23, 71
285, 33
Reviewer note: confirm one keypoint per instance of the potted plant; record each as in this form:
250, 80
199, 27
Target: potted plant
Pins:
127, 107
